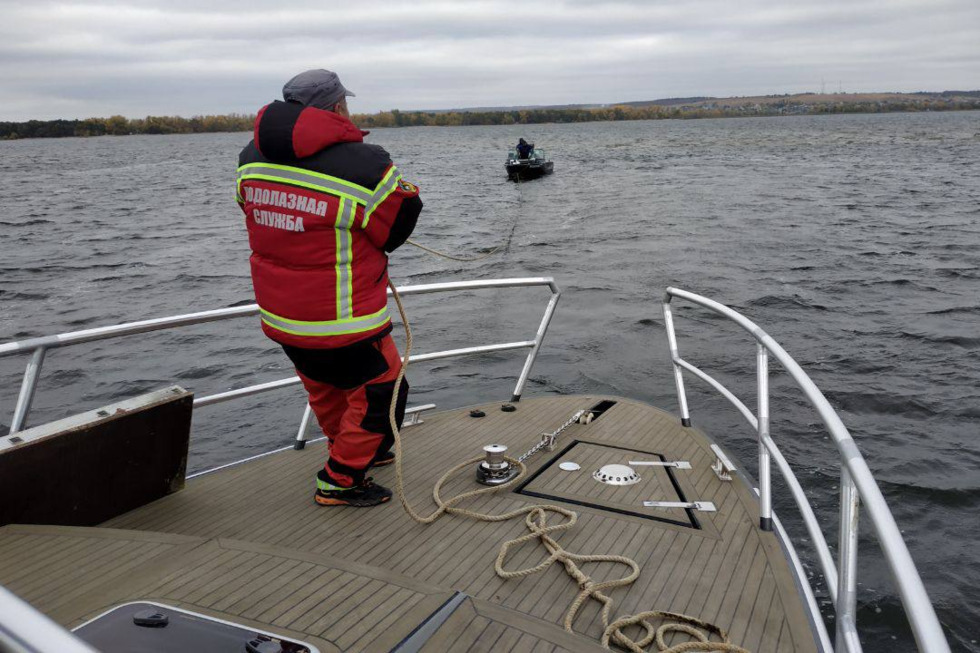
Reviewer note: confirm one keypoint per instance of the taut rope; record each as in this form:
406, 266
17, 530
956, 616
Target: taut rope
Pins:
469, 259
536, 519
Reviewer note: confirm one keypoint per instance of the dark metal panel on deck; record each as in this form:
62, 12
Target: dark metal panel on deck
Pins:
85, 469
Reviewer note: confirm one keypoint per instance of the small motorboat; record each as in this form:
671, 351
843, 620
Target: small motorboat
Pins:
534, 166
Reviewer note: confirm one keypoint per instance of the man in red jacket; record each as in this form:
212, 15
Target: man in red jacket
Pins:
323, 210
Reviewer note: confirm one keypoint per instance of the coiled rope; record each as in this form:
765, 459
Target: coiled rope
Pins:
536, 519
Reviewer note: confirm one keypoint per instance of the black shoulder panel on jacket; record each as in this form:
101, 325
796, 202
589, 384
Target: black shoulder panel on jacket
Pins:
250, 154
404, 225
275, 130
360, 163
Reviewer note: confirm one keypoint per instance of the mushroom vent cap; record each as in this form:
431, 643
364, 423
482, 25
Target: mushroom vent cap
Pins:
616, 475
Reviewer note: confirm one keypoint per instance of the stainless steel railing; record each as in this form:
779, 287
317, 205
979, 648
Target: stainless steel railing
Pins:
25, 629
857, 485
38, 347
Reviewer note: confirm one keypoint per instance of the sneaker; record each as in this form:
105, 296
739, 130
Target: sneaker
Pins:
384, 459
361, 495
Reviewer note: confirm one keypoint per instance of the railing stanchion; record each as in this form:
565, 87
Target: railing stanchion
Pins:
765, 478
27, 387
674, 358
304, 425
858, 487
549, 311
846, 608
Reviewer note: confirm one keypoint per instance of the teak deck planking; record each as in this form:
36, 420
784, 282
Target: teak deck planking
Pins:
247, 543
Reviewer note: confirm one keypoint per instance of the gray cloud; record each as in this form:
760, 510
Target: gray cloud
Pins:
91, 58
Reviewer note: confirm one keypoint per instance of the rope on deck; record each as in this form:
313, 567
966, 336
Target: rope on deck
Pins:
536, 519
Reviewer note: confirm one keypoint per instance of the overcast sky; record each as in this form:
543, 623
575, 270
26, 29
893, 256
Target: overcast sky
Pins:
81, 58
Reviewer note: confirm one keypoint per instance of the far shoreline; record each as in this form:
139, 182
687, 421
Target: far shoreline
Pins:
806, 104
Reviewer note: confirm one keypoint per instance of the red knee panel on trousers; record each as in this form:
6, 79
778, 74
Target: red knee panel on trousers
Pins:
356, 419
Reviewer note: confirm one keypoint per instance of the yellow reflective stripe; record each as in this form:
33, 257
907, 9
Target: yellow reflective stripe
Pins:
355, 189
327, 487
332, 332
320, 182
381, 193
328, 328
343, 256
384, 180
287, 320
311, 186
338, 268
349, 290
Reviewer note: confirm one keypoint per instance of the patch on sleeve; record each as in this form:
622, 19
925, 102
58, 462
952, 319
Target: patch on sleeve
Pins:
407, 187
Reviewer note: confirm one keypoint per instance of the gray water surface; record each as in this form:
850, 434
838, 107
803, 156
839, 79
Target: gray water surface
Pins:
853, 240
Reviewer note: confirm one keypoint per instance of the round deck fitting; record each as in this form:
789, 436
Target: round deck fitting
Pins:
569, 466
616, 475
495, 470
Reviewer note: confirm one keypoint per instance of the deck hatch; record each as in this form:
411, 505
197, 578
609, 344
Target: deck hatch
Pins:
580, 489
146, 626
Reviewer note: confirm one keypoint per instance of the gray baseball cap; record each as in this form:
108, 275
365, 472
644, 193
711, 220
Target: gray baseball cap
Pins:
315, 88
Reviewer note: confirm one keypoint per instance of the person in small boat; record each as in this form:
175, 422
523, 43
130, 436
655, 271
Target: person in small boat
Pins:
524, 149
323, 211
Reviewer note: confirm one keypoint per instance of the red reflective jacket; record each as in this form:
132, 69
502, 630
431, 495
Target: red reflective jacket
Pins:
322, 208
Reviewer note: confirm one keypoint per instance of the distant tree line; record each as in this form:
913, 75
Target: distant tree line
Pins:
396, 118
701, 109
695, 108
121, 126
